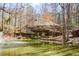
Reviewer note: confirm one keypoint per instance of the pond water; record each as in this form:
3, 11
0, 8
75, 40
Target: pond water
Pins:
10, 43
1, 37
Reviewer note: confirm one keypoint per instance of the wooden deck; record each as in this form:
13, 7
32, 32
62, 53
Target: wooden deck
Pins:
58, 40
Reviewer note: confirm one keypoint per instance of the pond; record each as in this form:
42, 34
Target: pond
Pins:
10, 43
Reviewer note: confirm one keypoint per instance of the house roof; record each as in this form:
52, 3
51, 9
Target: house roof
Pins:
43, 22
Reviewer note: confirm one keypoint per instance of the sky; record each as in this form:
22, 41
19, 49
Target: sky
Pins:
36, 6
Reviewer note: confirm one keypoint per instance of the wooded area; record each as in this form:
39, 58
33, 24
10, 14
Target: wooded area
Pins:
55, 23
52, 20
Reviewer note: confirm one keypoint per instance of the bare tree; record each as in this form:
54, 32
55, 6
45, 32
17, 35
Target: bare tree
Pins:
64, 24
68, 19
3, 16
15, 18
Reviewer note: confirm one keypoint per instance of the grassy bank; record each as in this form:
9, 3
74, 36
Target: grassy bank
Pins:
39, 49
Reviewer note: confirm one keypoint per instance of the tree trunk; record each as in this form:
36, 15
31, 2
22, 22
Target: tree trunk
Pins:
15, 20
3, 17
68, 19
64, 26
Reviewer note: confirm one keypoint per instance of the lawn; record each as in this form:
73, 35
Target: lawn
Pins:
39, 49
